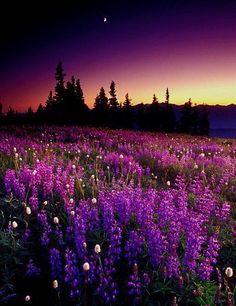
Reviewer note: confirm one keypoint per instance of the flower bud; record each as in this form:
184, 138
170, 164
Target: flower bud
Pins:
56, 220
86, 266
28, 210
229, 272
14, 224
55, 284
97, 249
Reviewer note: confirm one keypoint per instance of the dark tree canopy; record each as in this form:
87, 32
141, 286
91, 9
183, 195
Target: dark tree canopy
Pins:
113, 102
67, 106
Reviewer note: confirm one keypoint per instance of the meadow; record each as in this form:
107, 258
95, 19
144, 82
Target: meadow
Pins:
103, 217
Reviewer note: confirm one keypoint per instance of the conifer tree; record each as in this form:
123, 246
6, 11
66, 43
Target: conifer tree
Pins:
113, 102
167, 96
127, 102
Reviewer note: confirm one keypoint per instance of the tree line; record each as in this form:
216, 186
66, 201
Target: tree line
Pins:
67, 106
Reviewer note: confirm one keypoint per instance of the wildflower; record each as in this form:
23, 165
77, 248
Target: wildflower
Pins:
16, 155
121, 156
67, 186
72, 213
97, 249
73, 166
71, 201
56, 220
229, 272
168, 183
86, 266
27, 298
14, 224
45, 203
85, 245
92, 176
28, 210
55, 284
94, 200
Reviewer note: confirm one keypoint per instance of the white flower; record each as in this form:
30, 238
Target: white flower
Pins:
45, 203
14, 149
108, 167
56, 220
28, 210
195, 166
87, 155
97, 249
34, 172
92, 176
14, 224
27, 298
94, 200
85, 245
202, 155
55, 284
73, 166
71, 201
121, 156
67, 186
16, 155
86, 266
72, 213
20, 159
229, 272
168, 183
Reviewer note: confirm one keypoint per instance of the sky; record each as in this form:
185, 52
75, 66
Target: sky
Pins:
144, 46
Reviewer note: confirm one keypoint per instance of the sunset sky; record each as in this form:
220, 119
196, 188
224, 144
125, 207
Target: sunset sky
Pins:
145, 46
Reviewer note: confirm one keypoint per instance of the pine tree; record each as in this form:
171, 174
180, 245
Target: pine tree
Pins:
79, 93
127, 102
186, 120
50, 102
60, 87
101, 101
113, 102
154, 99
167, 96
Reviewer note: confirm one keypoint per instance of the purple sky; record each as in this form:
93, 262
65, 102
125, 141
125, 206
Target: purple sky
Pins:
145, 46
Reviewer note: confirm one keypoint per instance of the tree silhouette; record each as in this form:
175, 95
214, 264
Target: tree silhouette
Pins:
101, 108
154, 99
167, 95
50, 103
127, 102
154, 115
113, 102
187, 119
127, 118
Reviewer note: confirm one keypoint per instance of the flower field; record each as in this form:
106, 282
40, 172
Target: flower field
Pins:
102, 217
